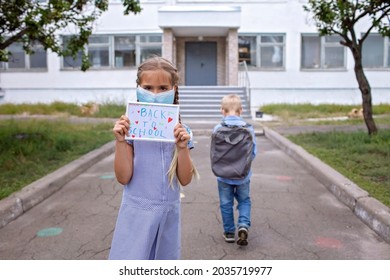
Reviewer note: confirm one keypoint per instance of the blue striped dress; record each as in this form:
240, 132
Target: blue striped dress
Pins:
148, 223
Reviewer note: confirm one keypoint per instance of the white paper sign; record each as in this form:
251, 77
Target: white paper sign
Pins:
152, 121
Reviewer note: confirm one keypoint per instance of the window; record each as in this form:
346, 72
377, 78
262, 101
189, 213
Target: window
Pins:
376, 52
124, 51
116, 51
99, 51
20, 60
69, 61
149, 46
247, 49
322, 52
38, 59
265, 51
16, 59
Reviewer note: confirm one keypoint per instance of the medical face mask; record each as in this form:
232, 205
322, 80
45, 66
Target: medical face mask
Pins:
165, 97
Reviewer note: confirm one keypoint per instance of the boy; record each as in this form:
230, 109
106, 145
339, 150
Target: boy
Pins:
235, 188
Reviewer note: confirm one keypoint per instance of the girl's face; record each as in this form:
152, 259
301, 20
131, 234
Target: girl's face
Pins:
156, 81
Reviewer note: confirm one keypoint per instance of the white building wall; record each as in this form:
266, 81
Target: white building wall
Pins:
294, 85
262, 16
77, 86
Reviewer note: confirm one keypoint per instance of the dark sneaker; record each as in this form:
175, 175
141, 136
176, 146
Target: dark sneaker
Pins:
242, 236
229, 237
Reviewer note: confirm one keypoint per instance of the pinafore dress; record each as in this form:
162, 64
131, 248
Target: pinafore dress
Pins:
148, 223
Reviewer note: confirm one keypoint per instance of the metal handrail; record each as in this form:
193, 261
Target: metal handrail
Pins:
243, 80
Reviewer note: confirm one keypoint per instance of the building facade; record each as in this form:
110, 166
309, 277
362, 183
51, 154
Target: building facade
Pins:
286, 59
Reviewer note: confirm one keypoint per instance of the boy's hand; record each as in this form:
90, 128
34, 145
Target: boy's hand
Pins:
121, 128
181, 135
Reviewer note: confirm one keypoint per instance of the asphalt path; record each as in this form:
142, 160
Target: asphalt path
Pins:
294, 217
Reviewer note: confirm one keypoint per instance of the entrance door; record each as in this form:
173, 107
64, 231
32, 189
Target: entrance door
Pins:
201, 64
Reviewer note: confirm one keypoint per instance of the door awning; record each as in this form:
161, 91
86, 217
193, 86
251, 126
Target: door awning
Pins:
199, 20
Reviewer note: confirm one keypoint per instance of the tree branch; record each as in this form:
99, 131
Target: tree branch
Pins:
9, 40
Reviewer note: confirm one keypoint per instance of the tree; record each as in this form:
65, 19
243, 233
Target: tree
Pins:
341, 17
32, 21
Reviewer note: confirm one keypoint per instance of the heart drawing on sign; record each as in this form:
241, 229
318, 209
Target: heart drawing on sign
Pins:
169, 120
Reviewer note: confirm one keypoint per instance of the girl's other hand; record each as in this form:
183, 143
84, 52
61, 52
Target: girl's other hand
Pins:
181, 135
121, 128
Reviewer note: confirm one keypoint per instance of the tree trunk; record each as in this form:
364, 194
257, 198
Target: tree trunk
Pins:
365, 90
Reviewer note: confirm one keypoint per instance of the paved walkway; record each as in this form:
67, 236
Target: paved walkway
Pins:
294, 215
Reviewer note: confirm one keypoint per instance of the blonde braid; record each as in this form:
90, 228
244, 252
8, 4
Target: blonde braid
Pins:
159, 63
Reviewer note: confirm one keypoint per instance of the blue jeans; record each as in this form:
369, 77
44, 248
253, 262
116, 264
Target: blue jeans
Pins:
227, 193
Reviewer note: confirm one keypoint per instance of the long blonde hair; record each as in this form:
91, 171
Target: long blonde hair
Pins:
158, 63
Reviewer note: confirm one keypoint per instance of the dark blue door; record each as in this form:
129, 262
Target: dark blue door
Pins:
201, 64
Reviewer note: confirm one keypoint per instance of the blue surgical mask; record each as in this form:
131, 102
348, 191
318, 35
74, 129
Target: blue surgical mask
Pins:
165, 97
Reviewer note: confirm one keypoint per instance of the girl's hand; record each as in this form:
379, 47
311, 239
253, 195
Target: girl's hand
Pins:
181, 135
121, 128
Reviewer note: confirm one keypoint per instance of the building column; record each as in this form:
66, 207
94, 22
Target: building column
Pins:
167, 49
232, 58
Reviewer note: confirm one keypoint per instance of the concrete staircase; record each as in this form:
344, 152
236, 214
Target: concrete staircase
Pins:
204, 102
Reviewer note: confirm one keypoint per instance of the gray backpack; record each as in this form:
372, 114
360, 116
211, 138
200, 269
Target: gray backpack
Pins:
231, 151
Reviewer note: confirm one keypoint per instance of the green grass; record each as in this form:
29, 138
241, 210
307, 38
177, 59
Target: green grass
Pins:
30, 149
290, 112
379, 120
363, 159
106, 110
109, 110
40, 109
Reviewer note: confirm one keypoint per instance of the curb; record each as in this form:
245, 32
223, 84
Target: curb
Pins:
372, 212
15, 205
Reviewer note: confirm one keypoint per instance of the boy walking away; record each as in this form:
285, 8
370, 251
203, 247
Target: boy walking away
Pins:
233, 147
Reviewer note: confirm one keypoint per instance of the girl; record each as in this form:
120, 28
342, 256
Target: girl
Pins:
148, 224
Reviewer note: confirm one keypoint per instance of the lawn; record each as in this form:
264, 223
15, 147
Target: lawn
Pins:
106, 110
30, 149
362, 158
304, 111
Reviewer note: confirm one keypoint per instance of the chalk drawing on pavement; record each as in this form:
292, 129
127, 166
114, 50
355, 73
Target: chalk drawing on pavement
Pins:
53, 231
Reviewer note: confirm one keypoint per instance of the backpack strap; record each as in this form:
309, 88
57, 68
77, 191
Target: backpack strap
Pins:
223, 123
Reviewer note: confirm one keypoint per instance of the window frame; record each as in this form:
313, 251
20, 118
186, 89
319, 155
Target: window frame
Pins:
259, 45
92, 45
323, 46
386, 53
140, 45
4, 65
111, 49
